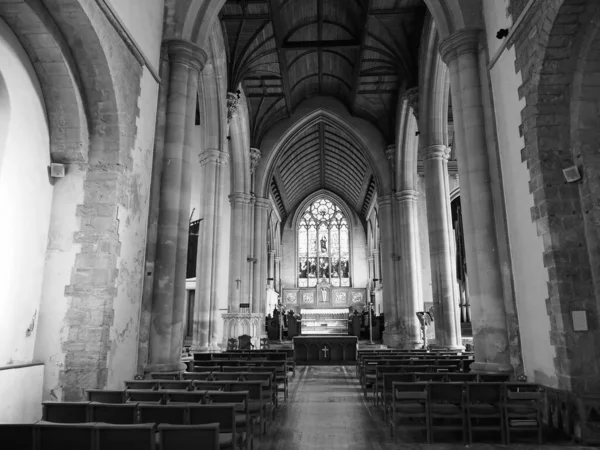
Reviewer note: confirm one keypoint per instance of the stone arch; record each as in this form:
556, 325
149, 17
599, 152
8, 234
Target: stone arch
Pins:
311, 111
191, 19
4, 115
48, 51
453, 15
558, 125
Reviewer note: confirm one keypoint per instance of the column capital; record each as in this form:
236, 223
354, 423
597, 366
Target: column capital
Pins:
407, 195
462, 41
185, 53
277, 259
241, 198
233, 101
437, 151
261, 202
412, 97
254, 158
272, 252
390, 152
212, 155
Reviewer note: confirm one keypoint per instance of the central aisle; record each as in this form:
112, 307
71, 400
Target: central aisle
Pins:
325, 410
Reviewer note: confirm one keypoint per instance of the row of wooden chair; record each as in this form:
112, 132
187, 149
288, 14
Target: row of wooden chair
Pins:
467, 408
234, 419
250, 355
385, 376
103, 436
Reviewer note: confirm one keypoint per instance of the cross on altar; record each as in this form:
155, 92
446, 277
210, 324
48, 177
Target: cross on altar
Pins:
325, 350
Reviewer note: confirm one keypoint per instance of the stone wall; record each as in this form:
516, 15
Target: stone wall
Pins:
547, 52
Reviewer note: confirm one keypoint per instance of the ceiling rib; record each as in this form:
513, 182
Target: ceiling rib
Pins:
333, 43
357, 64
322, 144
278, 31
320, 38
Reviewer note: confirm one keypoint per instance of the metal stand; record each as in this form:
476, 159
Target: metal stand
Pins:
371, 323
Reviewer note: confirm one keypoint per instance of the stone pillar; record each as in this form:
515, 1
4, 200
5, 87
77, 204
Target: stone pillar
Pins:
277, 284
376, 267
240, 252
441, 249
168, 301
391, 337
410, 269
271, 269
262, 207
490, 337
206, 299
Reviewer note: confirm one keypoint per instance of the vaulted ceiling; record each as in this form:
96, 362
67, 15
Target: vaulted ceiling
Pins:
284, 51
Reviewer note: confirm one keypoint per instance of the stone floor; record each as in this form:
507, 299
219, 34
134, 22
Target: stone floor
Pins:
326, 410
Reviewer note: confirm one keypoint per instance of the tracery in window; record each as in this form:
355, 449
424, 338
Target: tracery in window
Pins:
323, 245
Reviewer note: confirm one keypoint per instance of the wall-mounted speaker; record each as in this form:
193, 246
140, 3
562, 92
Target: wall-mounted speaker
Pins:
572, 174
57, 170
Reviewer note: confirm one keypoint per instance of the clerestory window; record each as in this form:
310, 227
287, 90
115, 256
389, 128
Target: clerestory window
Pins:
323, 245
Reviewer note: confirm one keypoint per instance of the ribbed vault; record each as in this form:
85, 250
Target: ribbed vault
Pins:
321, 156
285, 51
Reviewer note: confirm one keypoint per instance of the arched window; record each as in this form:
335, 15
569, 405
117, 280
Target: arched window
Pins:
323, 245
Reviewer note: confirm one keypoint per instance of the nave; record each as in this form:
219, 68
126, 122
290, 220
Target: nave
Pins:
327, 411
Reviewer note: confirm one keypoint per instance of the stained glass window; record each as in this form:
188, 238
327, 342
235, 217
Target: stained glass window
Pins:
323, 245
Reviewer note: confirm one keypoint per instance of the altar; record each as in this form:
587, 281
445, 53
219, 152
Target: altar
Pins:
325, 349
324, 309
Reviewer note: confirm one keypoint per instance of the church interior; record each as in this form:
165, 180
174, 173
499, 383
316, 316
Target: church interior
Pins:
368, 210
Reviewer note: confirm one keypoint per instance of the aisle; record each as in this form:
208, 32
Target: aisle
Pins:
326, 411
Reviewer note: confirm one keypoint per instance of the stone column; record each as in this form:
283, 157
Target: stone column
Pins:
168, 301
241, 239
206, 299
490, 337
441, 249
277, 284
262, 207
391, 337
410, 266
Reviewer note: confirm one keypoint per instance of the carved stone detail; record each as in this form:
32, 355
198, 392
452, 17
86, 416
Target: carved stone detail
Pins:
233, 102
254, 158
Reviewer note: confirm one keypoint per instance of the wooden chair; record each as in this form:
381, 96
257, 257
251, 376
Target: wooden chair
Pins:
144, 396
72, 436
245, 342
461, 377
188, 437
184, 385
202, 376
523, 410
447, 408
429, 376
493, 377
175, 414
150, 385
232, 344
123, 414
105, 396
258, 406
224, 414
485, 408
65, 412
195, 397
14, 436
387, 391
125, 437
409, 403
165, 375
243, 419
206, 369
